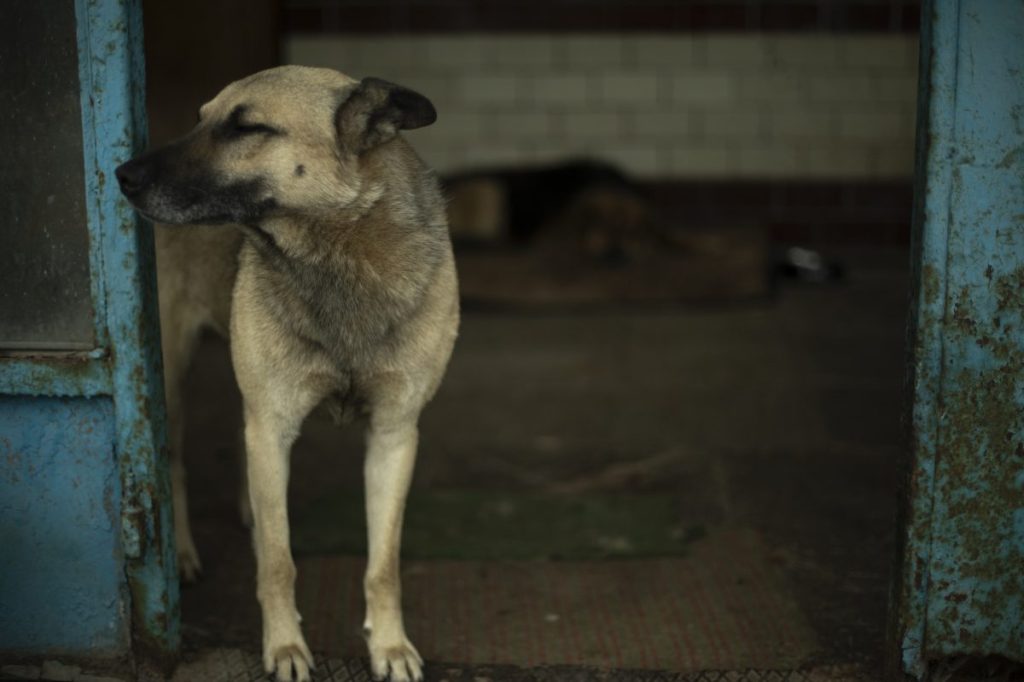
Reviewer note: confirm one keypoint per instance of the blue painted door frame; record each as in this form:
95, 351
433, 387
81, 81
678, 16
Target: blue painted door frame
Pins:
88, 564
960, 587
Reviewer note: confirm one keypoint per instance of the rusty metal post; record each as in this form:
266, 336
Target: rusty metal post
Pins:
960, 584
113, 81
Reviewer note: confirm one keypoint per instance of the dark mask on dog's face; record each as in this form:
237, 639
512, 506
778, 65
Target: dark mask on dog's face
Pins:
175, 184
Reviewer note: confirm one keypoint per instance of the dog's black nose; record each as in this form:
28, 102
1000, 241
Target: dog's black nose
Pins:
132, 176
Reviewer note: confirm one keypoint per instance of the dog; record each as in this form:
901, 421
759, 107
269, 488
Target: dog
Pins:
584, 208
336, 285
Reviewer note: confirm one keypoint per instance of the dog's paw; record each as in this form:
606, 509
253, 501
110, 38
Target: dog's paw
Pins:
396, 661
189, 567
289, 662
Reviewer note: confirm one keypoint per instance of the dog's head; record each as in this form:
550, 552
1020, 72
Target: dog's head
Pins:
285, 139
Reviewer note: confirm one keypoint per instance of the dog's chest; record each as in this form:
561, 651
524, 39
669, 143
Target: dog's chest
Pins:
336, 310
345, 404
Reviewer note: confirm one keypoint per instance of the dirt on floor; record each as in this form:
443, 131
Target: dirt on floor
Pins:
780, 417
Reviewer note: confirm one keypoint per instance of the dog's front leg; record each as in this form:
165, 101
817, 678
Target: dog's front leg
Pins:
390, 456
268, 443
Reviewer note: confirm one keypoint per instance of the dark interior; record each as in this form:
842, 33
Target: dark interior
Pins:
692, 483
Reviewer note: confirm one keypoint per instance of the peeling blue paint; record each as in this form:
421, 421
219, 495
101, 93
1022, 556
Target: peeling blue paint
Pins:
115, 390
62, 586
85, 373
112, 83
961, 585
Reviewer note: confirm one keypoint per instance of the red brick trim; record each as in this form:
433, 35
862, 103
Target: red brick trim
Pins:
521, 16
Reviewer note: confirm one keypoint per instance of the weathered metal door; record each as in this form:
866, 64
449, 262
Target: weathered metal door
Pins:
86, 558
960, 591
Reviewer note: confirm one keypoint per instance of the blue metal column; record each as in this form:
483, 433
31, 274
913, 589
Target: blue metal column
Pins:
113, 81
960, 591
88, 564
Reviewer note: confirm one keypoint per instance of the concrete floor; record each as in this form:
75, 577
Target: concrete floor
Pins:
781, 415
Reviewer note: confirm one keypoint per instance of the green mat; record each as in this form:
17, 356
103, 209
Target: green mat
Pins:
492, 525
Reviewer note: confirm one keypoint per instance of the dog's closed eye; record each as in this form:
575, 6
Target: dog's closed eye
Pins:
238, 126
251, 128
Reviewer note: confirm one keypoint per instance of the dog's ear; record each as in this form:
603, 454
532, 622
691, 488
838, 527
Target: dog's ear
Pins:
375, 112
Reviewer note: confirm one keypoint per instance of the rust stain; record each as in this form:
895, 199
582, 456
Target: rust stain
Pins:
1010, 290
929, 284
46, 372
982, 410
1010, 158
962, 319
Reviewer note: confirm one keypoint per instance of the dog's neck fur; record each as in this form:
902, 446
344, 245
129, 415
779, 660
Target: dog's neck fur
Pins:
361, 271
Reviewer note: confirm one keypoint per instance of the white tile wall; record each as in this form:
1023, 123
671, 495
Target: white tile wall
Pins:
590, 53
556, 91
798, 106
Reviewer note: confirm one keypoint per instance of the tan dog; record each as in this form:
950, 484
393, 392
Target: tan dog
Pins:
338, 285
